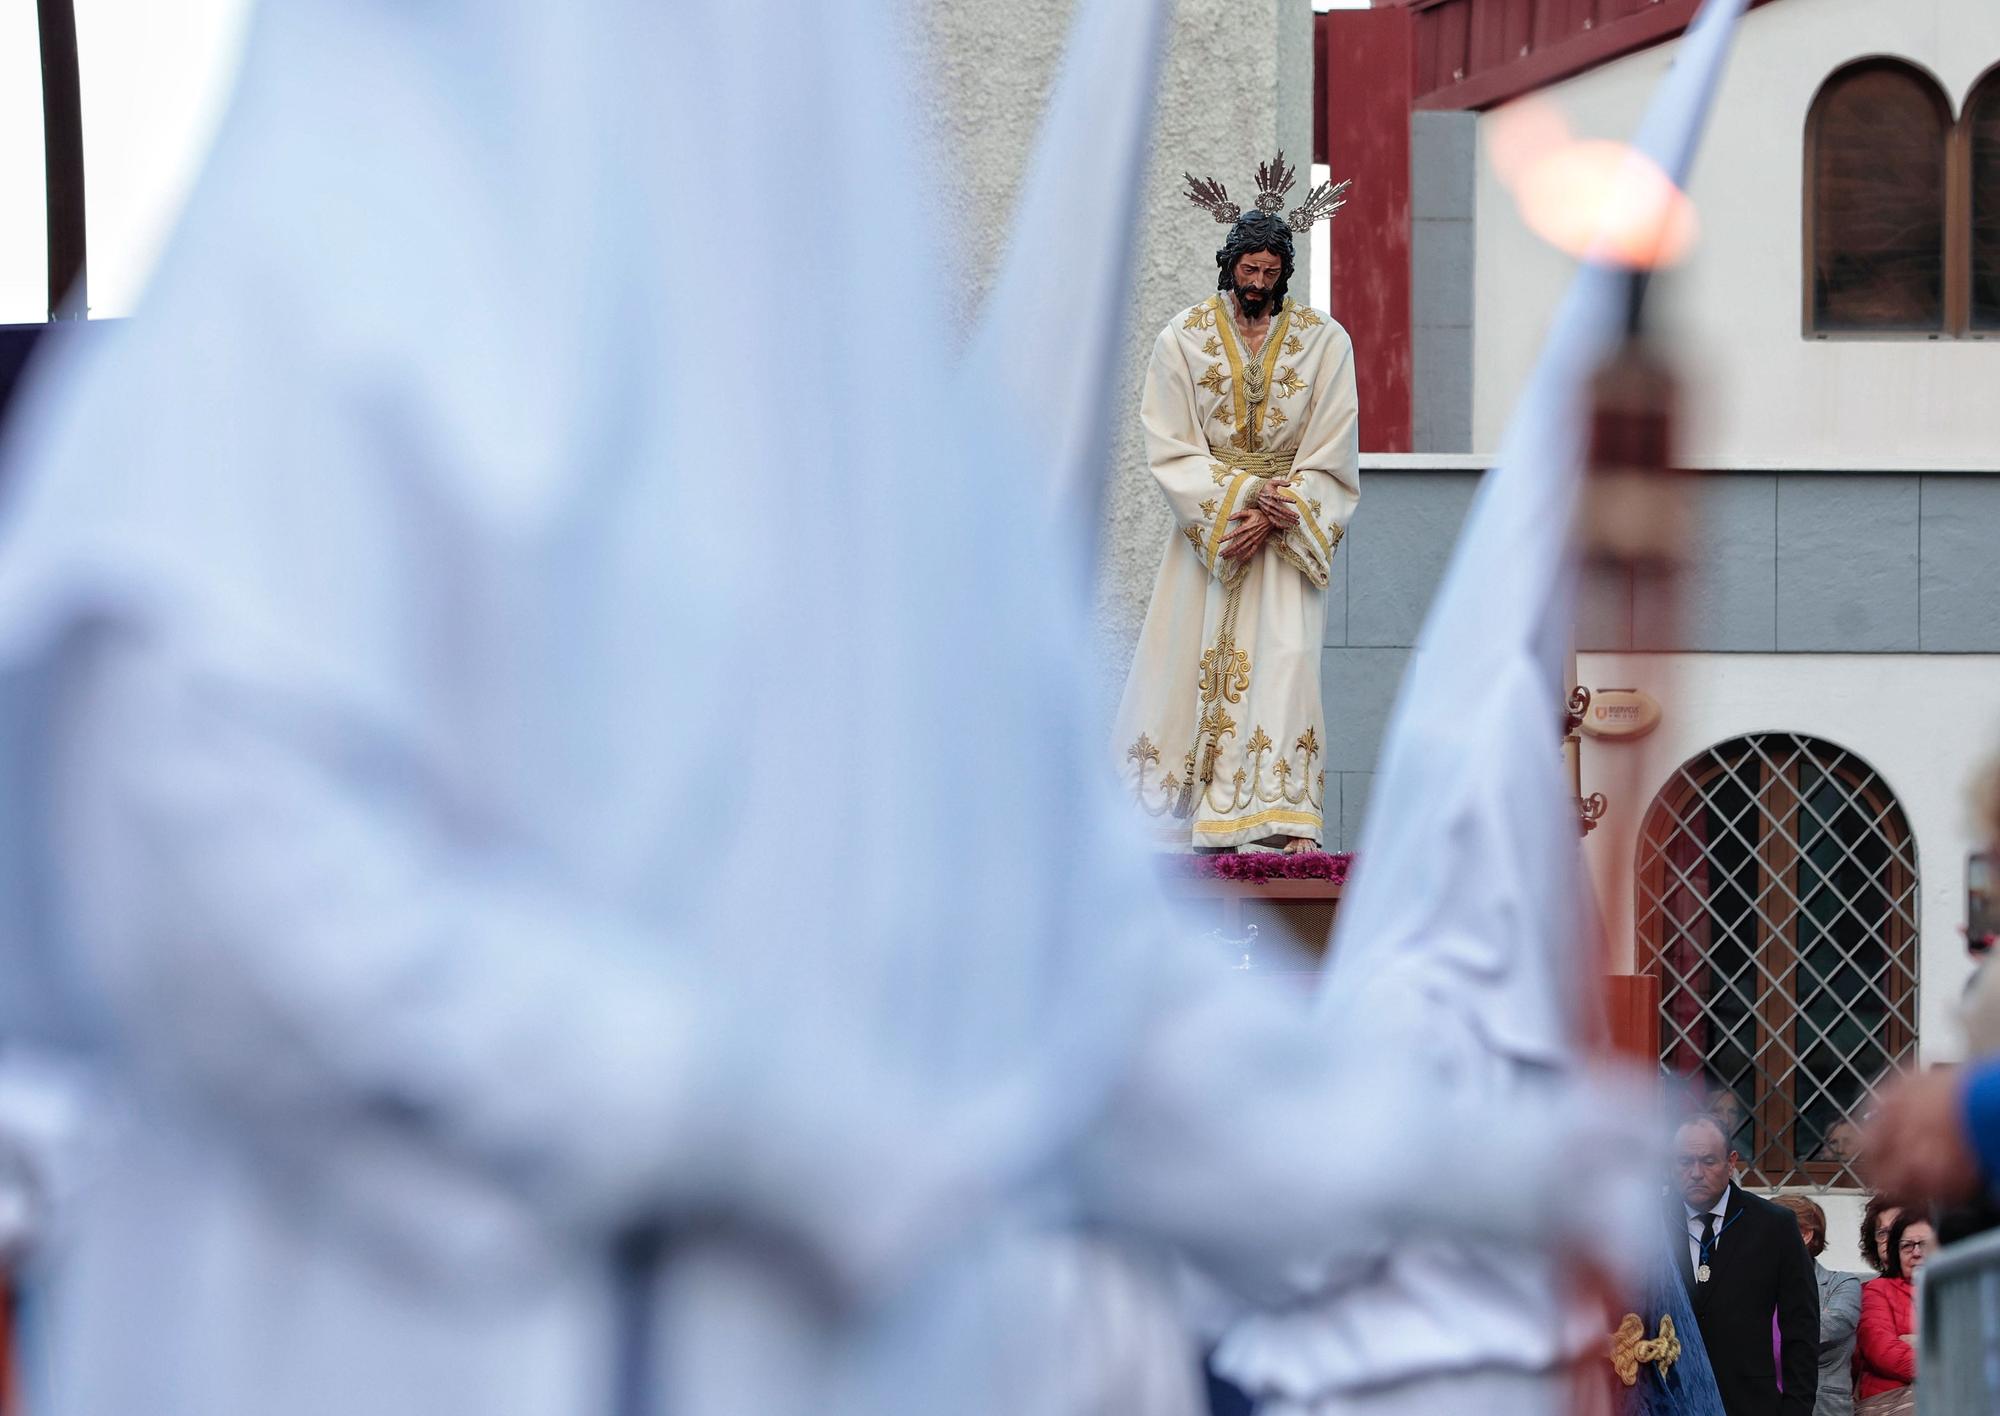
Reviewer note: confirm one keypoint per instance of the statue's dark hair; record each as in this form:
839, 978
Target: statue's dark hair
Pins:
1257, 231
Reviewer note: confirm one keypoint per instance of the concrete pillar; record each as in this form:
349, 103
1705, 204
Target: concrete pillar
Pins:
1236, 88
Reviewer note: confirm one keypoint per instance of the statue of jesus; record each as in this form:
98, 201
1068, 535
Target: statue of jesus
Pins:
1249, 412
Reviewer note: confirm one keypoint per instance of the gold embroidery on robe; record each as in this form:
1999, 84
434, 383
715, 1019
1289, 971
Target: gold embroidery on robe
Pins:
1631, 1349
1250, 379
1311, 524
1224, 702
1143, 751
1220, 530
1225, 674
1276, 782
1290, 555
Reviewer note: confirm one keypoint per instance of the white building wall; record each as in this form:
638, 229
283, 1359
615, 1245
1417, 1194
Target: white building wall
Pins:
1924, 722
1764, 394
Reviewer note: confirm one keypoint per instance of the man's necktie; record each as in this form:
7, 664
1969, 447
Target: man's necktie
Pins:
1707, 1251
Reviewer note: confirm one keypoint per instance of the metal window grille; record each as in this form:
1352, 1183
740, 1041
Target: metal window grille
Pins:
1777, 905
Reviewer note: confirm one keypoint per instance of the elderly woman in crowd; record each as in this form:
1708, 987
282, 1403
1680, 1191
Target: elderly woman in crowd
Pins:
1839, 1312
1886, 1347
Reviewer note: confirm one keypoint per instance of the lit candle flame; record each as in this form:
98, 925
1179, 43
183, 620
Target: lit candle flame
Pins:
1589, 197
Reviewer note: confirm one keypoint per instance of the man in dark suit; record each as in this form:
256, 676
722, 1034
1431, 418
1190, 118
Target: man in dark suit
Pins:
1742, 1260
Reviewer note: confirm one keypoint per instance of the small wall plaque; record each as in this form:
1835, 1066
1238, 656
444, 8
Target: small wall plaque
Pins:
1621, 713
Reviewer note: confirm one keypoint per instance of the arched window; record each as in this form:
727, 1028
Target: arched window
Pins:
1982, 141
1876, 193
1777, 905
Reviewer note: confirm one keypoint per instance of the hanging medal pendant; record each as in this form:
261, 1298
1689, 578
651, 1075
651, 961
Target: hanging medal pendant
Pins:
1701, 1274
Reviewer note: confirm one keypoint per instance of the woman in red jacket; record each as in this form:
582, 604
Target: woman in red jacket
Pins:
1885, 1349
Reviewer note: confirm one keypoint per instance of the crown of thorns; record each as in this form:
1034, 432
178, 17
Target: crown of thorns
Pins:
1274, 179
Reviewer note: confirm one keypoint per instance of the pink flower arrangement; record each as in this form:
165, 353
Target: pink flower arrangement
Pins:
1271, 865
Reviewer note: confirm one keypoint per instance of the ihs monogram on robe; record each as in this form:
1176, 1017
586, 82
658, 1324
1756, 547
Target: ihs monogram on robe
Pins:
1221, 734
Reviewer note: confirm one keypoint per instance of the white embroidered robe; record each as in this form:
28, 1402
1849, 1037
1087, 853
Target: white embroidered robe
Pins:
1220, 736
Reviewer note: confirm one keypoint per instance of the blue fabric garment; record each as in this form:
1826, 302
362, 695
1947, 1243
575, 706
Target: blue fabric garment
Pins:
1225, 1398
1981, 1105
1689, 1387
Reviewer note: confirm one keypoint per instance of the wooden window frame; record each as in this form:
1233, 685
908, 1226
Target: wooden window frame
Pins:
1959, 191
1957, 217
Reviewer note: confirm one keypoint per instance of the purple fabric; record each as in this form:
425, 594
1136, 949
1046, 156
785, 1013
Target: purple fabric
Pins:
1777, 1350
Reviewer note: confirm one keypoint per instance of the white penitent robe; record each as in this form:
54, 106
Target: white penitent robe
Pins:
403, 833
1221, 737
392, 815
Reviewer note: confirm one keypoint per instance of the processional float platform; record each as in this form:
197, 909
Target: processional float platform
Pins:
1283, 900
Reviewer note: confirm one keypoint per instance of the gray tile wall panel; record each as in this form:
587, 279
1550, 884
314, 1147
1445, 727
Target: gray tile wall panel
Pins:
1959, 565
1441, 257
1443, 161
1402, 536
1357, 687
1353, 806
1443, 205
1441, 382
1847, 564
1604, 612
1794, 563
1729, 600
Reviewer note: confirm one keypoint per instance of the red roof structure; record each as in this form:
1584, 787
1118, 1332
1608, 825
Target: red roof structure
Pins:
1374, 69
1479, 53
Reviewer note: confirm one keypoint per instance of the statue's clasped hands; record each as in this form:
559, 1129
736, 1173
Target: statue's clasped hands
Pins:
1252, 527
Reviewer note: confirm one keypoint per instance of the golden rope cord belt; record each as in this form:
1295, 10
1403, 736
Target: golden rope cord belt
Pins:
1258, 464
1277, 467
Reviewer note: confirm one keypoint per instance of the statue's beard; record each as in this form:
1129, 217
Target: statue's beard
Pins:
1253, 303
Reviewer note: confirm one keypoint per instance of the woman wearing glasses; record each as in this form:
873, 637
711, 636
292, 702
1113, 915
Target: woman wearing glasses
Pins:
1886, 1351
1876, 1222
